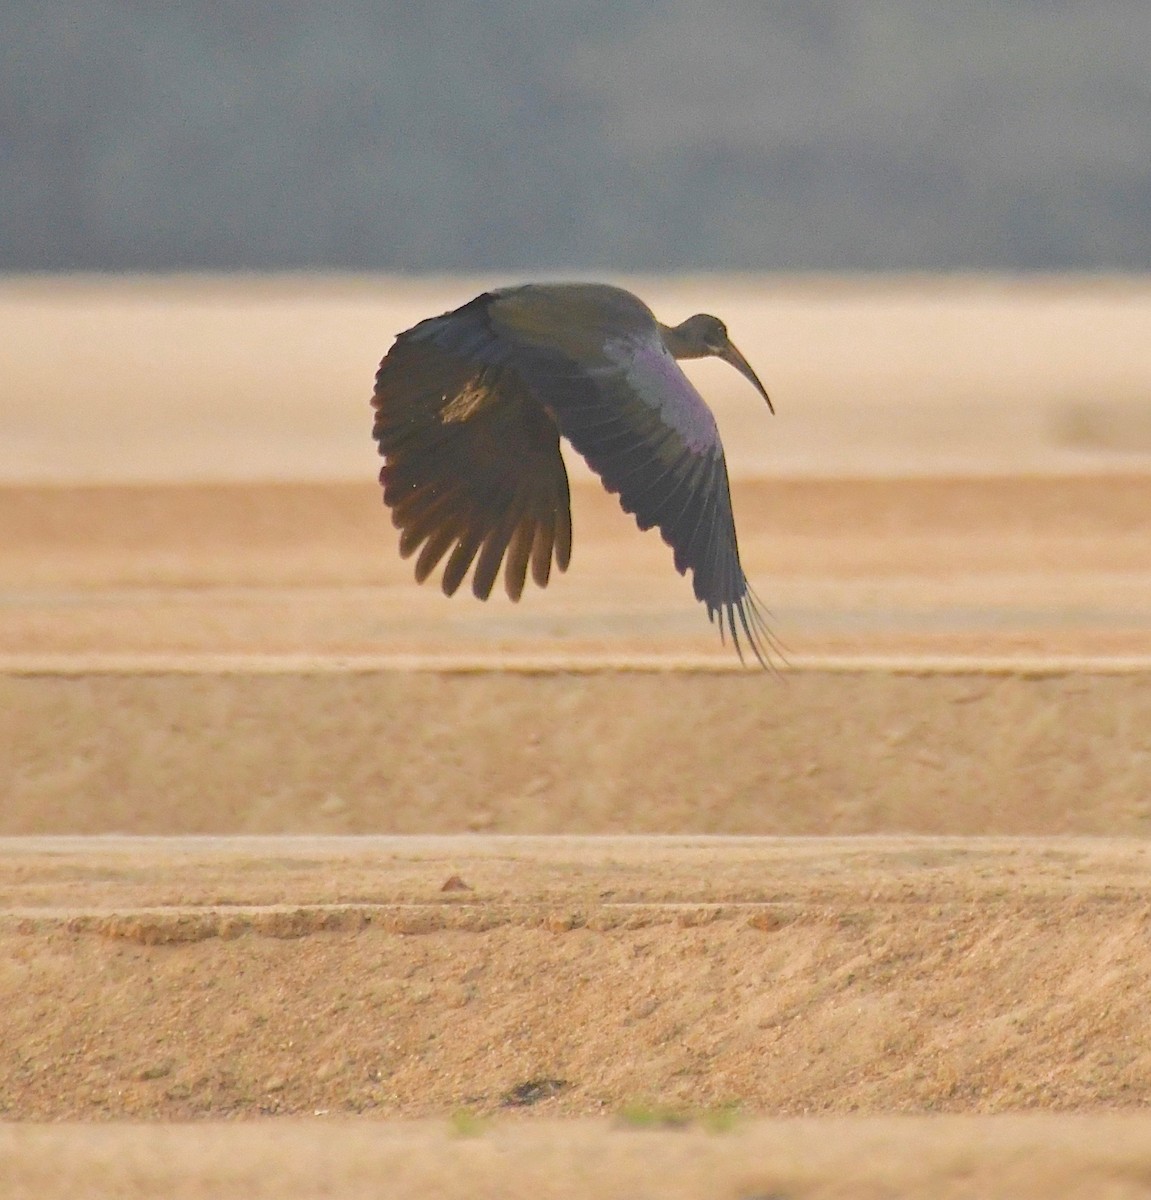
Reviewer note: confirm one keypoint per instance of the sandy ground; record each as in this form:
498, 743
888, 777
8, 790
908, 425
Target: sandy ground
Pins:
212, 378
969, 566
942, 995
407, 977
863, 749
881, 1000
257, 658
946, 1158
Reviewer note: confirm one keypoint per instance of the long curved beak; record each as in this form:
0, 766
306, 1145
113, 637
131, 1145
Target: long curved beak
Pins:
730, 354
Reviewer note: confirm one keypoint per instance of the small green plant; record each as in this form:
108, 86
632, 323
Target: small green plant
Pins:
649, 1115
721, 1119
642, 1115
465, 1123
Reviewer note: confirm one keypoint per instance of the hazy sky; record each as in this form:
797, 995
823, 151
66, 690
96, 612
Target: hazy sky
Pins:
508, 134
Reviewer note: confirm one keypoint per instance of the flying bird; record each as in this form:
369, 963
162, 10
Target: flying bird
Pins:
469, 410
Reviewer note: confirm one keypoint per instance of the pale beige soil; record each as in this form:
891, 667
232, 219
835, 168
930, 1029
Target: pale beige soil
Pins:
257, 658
971, 566
255, 378
880, 1158
971, 656
634, 981
636, 984
850, 750
238, 977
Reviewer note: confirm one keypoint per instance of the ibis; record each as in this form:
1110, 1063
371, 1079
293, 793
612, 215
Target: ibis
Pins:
470, 407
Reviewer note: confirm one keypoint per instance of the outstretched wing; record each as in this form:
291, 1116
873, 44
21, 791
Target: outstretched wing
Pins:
601, 368
472, 465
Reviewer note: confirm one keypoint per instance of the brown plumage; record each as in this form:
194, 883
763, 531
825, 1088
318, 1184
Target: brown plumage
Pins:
470, 407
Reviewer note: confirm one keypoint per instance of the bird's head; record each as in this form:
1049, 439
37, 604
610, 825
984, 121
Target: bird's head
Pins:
705, 336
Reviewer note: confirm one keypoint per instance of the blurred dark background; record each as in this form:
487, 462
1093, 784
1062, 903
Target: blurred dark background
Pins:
507, 134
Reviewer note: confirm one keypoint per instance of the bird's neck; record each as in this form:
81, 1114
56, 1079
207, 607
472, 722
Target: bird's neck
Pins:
678, 345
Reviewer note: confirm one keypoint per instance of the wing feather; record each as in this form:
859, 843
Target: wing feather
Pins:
419, 517
492, 553
692, 546
434, 549
519, 552
472, 464
461, 557
542, 545
563, 540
